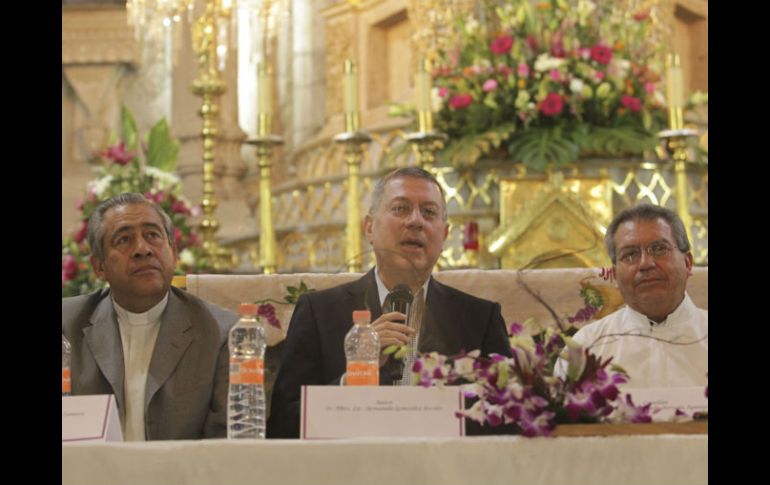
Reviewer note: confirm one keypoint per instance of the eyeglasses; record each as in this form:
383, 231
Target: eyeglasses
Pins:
404, 209
657, 250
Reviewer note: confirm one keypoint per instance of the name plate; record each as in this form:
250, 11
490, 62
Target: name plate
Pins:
381, 411
665, 401
90, 418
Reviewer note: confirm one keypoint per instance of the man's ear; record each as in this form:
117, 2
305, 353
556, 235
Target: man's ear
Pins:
98, 267
368, 228
688, 262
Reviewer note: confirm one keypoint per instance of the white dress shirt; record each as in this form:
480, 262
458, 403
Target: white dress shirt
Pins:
673, 353
138, 332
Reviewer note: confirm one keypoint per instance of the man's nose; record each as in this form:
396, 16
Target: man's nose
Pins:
645, 260
142, 248
415, 218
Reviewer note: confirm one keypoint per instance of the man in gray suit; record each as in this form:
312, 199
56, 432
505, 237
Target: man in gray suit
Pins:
161, 351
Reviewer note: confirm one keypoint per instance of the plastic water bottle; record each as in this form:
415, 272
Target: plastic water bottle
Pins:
66, 358
362, 351
246, 394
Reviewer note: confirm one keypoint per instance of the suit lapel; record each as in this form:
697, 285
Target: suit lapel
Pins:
103, 339
365, 290
170, 346
438, 332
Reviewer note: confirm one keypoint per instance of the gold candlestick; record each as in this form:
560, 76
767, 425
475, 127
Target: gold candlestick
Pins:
353, 142
265, 143
209, 86
676, 142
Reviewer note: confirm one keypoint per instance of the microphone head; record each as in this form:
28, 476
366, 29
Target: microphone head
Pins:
402, 292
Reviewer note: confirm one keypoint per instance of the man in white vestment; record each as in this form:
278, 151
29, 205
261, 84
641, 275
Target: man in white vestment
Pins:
660, 337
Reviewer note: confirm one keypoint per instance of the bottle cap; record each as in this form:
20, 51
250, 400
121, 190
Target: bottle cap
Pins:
360, 315
247, 309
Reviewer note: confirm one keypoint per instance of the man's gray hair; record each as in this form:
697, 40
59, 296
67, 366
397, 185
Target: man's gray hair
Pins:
647, 212
405, 172
96, 221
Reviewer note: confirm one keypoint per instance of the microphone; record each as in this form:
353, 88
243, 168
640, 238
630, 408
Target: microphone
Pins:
398, 300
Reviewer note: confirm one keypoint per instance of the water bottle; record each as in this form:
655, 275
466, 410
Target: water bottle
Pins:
246, 393
66, 358
362, 351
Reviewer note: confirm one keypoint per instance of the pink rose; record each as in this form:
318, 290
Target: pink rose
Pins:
631, 103
179, 207
555, 75
649, 87
522, 69
460, 101
552, 105
443, 91
177, 236
489, 85
601, 54
501, 44
585, 53
599, 76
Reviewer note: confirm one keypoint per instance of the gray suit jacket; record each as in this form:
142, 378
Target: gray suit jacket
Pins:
186, 393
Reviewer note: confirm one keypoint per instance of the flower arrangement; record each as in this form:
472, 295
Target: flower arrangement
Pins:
123, 171
549, 81
534, 390
266, 309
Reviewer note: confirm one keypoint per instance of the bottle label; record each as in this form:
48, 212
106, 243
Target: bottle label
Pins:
247, 371
362, 374
66, 382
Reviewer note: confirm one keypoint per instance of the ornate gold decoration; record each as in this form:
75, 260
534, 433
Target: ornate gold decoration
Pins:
210, 86
338, 46
549, 223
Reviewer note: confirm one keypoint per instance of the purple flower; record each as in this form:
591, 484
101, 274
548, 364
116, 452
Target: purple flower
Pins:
267, 311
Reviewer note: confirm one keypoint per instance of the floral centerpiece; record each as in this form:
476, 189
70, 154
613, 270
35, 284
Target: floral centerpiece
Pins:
123, 170
550, 81
534, 389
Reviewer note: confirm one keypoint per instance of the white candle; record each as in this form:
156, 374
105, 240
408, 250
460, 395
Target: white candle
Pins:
263, 90
350, 87
674, 82
422, 82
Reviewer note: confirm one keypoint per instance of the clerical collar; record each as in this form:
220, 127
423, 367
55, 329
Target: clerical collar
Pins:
150, 316
383, 291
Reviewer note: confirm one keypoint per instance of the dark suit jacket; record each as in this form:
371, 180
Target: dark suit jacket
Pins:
186, 393
314, 354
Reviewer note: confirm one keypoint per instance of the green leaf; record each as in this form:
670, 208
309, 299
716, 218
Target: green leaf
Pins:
128, 129
162, 148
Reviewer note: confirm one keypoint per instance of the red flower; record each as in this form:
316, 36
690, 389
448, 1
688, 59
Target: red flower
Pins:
631, 103
69, 268
641, 15
460, 101
179, 207
118, 154
557, 49
82, 233
601, 54
532, 42
552, 105
501, 44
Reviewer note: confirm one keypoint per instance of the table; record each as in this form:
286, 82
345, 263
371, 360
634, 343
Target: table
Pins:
644, 459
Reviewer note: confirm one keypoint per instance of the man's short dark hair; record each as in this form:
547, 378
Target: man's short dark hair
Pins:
404, 172
647, 212
96, 221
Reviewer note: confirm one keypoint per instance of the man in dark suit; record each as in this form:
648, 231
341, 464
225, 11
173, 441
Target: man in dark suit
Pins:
161, 351
406, 226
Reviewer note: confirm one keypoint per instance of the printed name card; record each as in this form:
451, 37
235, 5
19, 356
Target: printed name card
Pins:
90, 418
665, 401
386, 411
